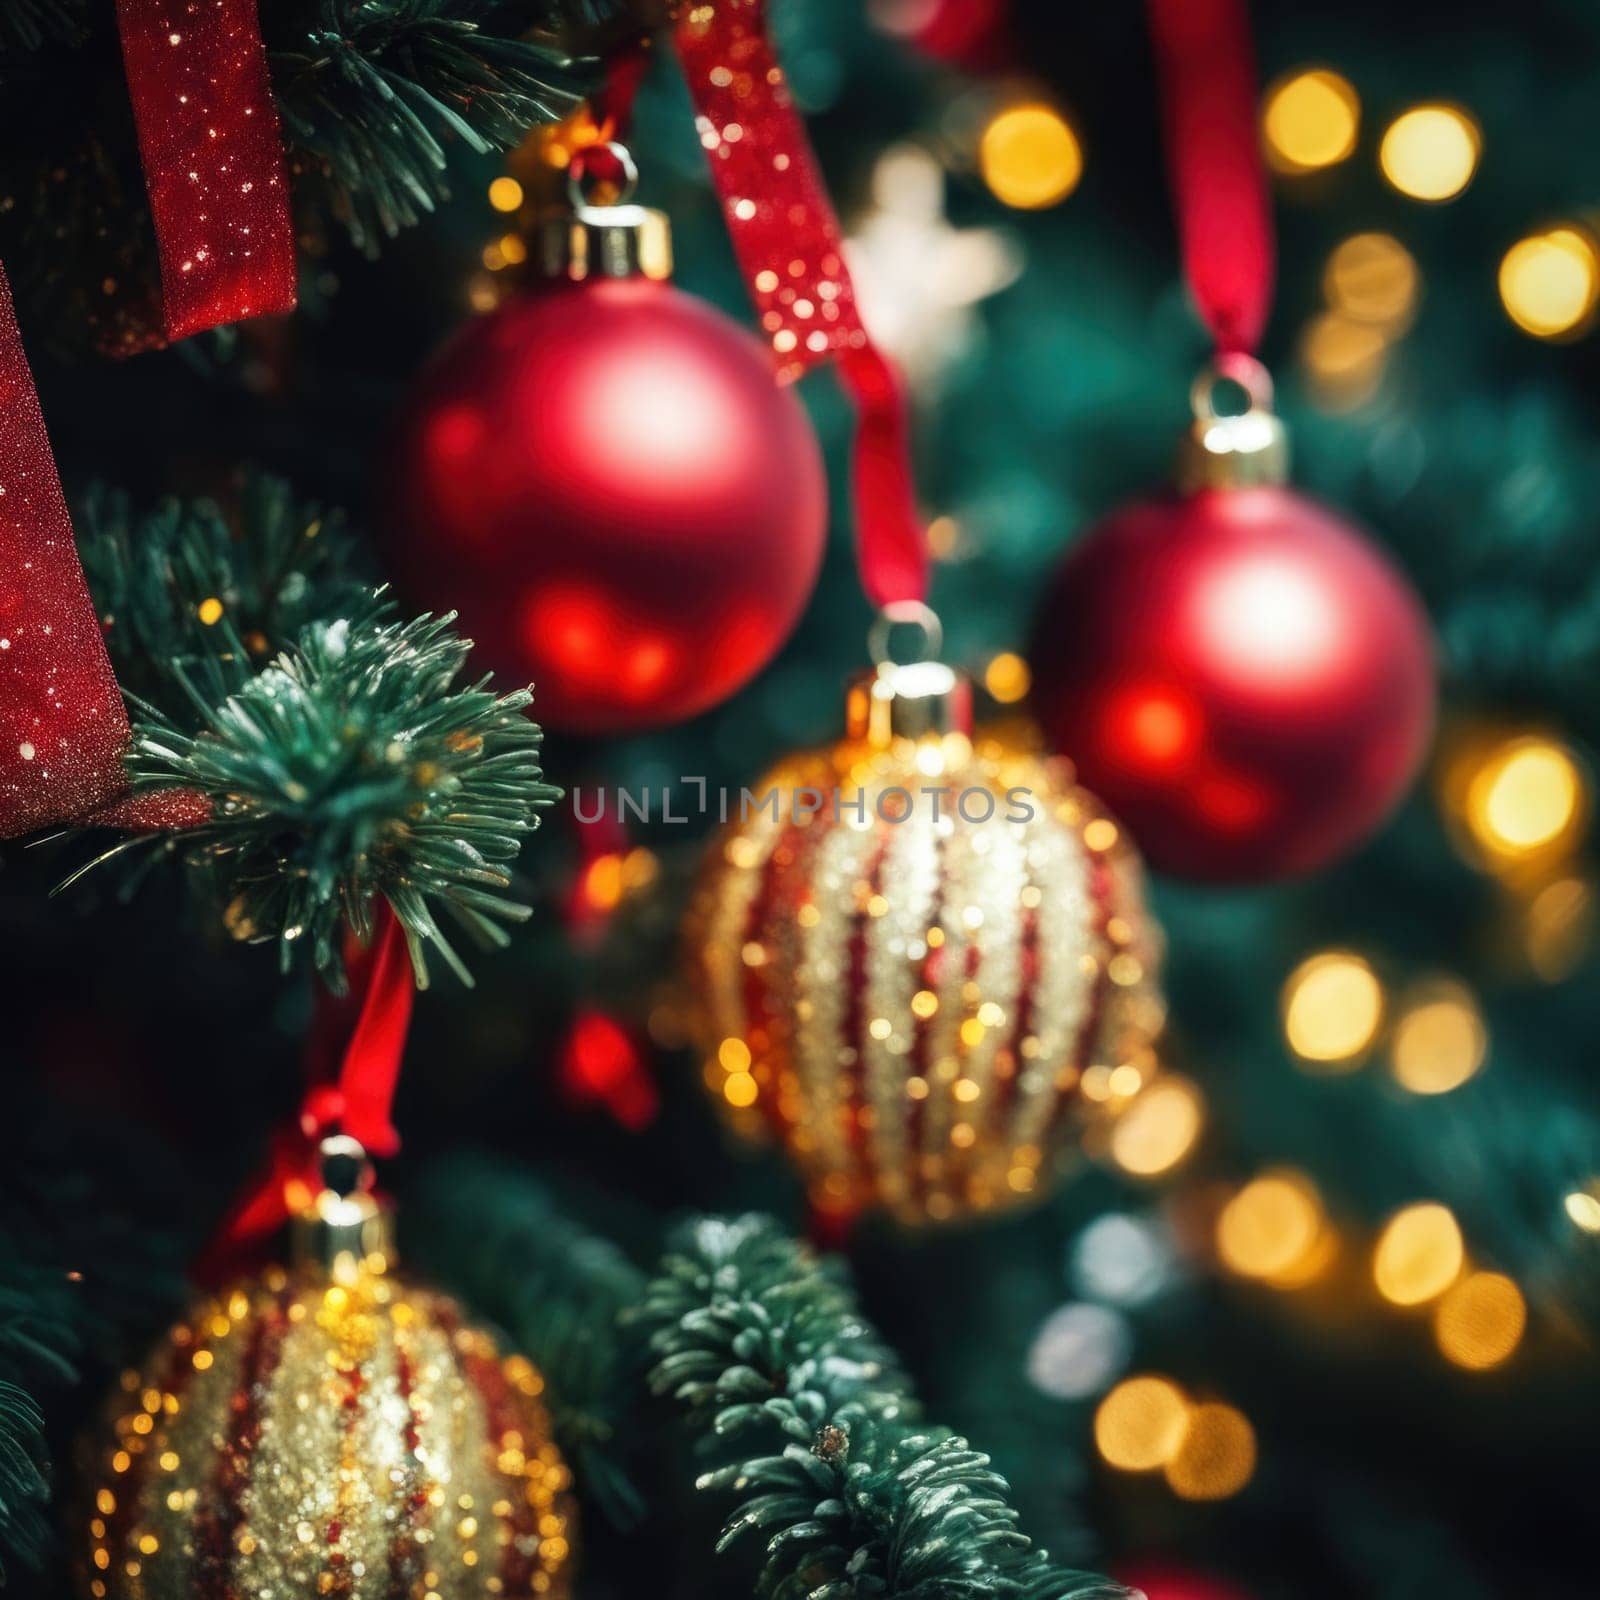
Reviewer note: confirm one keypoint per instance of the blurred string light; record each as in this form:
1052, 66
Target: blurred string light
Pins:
1550, 282
1419, 1254
1007, 678
1332, 1007
1583, 1207
1274, 1229
1558, 927
1029, 156
1310, 119
916, 277
1431, 151
1518, 800
505, 193
1126, 1260
1439, 1040
1371, 284
1158, 1127
1206, 1451
1079, 1350
1480, 1322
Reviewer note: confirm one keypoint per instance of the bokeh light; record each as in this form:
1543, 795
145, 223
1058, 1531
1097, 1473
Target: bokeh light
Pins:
1527, 798
1372, 278
1310, 120
1583, 1206
1332, 1008
1439, 1039
1419, 1254
1558, 927
1140, 1424
1217, 1456
1430, 152
1480, 1321
1079, 1350
1343, 359
1550, 283
1030, 157
505, 194
1124, 1259
1271, 1227
1159, 1127
1007, 678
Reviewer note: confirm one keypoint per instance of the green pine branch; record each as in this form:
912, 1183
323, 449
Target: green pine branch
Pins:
373, 91
29, 24
764, 1349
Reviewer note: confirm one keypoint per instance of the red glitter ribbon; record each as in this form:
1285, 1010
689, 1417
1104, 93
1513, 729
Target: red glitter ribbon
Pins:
353, 1059
1208, 86
63, 729
213, 160
790, 252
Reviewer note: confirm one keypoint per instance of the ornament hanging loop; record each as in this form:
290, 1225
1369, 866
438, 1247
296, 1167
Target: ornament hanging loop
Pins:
610, 239
587, 186
1233, 450
343, 1229
904, 614
916, 699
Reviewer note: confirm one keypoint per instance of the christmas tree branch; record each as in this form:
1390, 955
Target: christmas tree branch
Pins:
372, 91
324, 751
764, 1349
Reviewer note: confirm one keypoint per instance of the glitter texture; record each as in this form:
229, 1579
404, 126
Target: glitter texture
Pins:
213, 159
924, 1010
779, 217
301, 1438
62, 726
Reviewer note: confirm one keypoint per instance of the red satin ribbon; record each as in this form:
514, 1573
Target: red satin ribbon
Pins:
353, 1059
1207, 73
213, 159
63, 729
790, 252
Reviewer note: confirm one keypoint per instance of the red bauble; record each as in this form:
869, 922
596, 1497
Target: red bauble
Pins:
607, 483
1240, 676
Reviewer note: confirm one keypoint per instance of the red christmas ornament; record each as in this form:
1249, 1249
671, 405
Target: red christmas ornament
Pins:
604, 479
1239, 674
1165, 1581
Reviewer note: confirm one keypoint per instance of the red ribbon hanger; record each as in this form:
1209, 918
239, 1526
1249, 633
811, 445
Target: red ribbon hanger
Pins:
352, 1062
791, 254
213, 160
1206, 67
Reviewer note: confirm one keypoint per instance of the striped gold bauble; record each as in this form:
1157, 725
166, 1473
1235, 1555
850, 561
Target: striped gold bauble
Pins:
922, 959
315, 1432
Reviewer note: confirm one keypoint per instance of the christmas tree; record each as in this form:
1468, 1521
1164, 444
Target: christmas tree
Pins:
843, 1148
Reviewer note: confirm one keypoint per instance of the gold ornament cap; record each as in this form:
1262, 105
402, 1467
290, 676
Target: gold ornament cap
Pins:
917, 699
1247, 449
344, 1229
618, 240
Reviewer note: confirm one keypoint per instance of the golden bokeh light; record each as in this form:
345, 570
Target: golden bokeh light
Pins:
1030, 157
1217, 1456
1310, 120
1583, 1206
1419, 1254
1372, 278
1271, 1227
1480, 1321
1430, 152
1527, 798
1558, 927
1140, 1425
1344, 360
1550, 283
1007, 678
1159, 1127
1439, 1039
505, 194
1332, 1008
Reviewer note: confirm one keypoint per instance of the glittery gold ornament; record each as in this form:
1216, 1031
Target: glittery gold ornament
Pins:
921, 959
328, 1430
